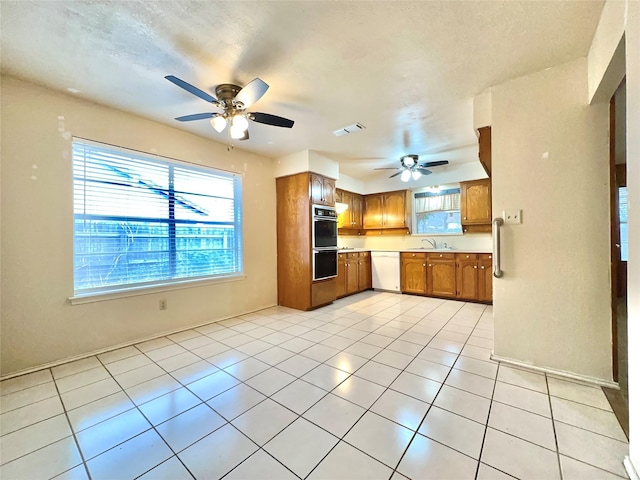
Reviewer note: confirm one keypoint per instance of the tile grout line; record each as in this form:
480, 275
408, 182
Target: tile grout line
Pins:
486, 427
553, 424
73, 433
415, 433
153, 427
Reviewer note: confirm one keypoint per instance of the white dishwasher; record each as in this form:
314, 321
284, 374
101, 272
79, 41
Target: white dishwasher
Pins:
385, 271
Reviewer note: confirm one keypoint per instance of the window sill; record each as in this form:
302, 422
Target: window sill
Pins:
147, 290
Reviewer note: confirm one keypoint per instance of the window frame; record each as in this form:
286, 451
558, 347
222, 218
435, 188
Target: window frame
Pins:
86, 295
415, 213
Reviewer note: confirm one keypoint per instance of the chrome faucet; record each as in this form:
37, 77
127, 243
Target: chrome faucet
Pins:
432, 242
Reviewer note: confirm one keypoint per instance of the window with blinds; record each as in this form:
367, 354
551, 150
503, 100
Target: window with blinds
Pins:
437, 212
142, 220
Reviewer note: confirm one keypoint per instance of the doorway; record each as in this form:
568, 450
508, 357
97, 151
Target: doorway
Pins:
619, 399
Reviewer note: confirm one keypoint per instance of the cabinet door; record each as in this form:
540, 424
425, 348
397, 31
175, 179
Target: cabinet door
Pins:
485, 278
484, 148
356, 211
467, 276
394, 209
413, 277
364, 271
352, 273
328, 191
316, 188
441, 276
347, 215
373, 211
341, 280
475, 202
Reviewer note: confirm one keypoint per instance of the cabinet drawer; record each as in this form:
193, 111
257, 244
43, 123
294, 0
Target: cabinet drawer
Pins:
407, 255
364, 254
485, 256
466, 256
441, 256
352, 255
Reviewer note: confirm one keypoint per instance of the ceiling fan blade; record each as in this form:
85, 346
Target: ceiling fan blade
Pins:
191, 89
424, 171
269, 119
386, 168
252, 92
435, 164
245, 136
195, 116
395, 174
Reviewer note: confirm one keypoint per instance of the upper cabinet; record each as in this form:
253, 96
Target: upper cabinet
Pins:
387, 210
484, 148
475, 205
323, 190
351, 218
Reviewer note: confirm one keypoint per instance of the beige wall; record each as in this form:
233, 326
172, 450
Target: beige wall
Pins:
552, 307
39, 325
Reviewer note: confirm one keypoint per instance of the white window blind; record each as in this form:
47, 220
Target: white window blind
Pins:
446, 202
143, 220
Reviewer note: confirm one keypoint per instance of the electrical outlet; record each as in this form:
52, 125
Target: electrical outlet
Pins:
512, 217
163, 304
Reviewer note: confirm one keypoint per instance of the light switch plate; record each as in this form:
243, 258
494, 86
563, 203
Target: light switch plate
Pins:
512, 217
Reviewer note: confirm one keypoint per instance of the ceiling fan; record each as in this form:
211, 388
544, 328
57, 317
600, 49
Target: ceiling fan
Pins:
233, 101
410, 168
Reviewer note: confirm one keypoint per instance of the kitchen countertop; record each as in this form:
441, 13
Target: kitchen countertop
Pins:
413, 250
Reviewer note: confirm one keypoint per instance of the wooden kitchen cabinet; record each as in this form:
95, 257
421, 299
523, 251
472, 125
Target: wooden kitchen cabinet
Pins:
441, 274
364, 271
387, 210
475, 205
323, 190
354, 273
467, 276
413, 273
296, 287
485, 277
484, 148
351, 218
341, 279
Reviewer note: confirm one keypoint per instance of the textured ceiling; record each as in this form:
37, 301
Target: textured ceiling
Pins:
408, 71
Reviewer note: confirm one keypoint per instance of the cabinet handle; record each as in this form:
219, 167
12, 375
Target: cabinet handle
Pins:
475, 266
482, 267
429, 264
467, 256
424, 265
440, 255
413, 254
465, 218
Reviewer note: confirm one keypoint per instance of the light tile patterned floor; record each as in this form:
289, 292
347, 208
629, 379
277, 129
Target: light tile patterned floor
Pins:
376, 385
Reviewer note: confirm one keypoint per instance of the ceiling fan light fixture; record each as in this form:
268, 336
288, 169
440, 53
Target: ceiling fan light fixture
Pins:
406, 175
416, 174
236, 132
240, 122
409, 161
219, 123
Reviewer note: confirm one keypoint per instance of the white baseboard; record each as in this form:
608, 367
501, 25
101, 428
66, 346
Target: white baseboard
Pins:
122, 345
558, 373
631, 469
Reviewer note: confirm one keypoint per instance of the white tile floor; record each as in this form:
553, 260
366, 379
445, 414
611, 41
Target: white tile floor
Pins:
376, 385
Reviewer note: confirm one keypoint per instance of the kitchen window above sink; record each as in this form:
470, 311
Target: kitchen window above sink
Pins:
437, 212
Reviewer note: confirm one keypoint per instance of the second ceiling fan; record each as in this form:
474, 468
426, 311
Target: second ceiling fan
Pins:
411, 168
233, 101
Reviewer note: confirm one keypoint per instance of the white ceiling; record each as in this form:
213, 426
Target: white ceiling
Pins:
408, 71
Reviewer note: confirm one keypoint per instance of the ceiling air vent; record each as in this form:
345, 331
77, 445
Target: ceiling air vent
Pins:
356, 127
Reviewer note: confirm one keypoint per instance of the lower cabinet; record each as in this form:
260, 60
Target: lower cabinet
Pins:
441, 275
413, 273
466, 276
354, 273
485, 277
